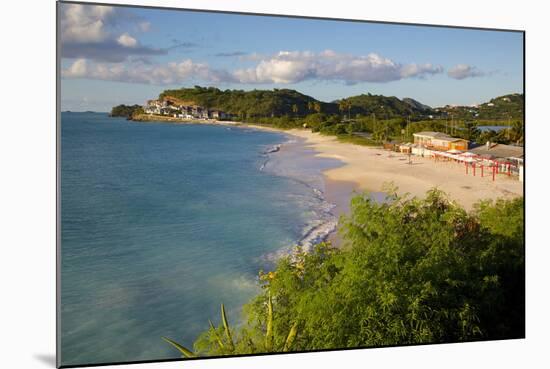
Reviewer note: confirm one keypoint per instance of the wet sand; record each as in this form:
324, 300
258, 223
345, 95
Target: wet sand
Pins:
339, 193
372, 168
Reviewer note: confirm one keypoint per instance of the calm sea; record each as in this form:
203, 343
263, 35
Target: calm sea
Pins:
163, 222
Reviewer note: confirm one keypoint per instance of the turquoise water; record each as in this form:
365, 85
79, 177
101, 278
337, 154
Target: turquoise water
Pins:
163, 222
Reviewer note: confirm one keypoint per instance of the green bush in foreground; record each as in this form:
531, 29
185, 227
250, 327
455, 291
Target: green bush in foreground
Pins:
410, 271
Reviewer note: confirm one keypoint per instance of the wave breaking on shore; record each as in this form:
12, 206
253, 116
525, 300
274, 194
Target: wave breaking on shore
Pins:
293, 160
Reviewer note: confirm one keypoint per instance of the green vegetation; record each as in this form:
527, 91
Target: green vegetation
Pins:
508, 107
410, 271
251, 104
280, 102
358, 140
513, 134
219, 341
384, 107
502, 108
126, 111
383, 118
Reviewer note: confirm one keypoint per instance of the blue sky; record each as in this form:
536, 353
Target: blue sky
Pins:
115, 55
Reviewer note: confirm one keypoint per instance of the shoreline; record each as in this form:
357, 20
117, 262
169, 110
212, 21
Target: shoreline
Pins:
325, 231
293, 159
338, 193
370, 169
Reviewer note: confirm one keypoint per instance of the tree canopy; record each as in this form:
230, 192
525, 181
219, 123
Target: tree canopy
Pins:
409, 271
385, 118
278, 102
126, 111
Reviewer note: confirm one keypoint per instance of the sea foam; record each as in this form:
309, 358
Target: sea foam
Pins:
294, 160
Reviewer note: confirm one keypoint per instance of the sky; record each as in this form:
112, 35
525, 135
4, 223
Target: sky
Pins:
126, 55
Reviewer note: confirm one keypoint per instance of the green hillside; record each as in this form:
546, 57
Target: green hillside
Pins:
363, 119
281, 102
250, 104
246, 105
126, 111
385, 107
287, 102
502, 108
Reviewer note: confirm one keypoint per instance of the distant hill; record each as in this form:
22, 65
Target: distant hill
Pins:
288, 102
506, 107
503, 107
280, 102
255, 103
125, 111
416, 105
385, 106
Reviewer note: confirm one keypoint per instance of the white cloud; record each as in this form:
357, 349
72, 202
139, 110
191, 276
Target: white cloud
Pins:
84, 23
94, 32
297, 66
285, 67
420, 70
171, 73
144, 26
252, 57
78, 69
462, 71
126, 40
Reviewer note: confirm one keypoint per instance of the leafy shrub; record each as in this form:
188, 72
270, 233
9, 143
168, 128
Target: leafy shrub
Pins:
409, 271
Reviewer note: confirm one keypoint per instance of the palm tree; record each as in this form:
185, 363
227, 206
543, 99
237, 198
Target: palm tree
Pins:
294, 109
516, 132
317, 107
341, 105
349, 109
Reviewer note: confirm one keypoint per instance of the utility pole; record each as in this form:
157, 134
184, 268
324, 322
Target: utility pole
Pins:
407, 127
508, 130
455, 124
452, 124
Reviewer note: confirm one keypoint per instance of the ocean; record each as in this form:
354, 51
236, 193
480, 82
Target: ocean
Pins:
161, 223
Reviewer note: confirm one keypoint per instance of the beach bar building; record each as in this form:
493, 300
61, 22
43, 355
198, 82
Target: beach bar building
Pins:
500, 151
489, 158
439, 141
506, 157
419, 150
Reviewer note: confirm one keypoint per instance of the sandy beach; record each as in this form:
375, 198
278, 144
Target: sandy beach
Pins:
367, 168
370, 168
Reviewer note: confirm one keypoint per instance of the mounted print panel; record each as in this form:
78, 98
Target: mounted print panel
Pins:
244, 184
